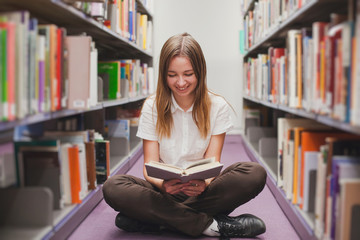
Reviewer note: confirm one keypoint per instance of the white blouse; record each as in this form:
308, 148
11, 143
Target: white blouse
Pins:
185, 144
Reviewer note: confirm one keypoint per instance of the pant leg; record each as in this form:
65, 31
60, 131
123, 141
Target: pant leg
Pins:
236, 185
140, 200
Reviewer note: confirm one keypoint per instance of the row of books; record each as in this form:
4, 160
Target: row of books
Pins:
125, 78
69, 163
267, 15
313, 162
316, 71
43, 70
122, 17
316, 167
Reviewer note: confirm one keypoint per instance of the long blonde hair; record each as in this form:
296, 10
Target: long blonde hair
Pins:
182, 45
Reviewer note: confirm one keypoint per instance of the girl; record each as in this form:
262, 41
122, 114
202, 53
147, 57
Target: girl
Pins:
182, 123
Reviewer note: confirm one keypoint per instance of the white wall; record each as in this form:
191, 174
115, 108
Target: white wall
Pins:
215, 25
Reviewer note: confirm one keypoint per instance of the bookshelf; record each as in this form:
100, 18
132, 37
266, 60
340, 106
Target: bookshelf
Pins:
267, 87
110, 45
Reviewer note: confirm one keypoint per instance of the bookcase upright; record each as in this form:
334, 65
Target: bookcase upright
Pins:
301, 61
27, 213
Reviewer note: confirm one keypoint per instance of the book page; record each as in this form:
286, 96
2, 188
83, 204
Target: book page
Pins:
200, 162
202, 167
167, 167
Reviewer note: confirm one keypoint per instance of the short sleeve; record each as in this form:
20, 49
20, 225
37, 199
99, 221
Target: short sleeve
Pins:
222, 120
147, 121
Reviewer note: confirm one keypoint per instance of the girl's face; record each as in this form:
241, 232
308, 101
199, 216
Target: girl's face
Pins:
181, 78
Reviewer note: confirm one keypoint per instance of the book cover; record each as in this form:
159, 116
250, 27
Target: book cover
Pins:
65, 172
311, 141
54, 81
59, 67
288, 163
318, 33
7, 165
292, 59
74, 173
333, 34
44, 31
349, 209
310, 171
343, 167
299, 125
78, 71
93, 75
202, 169
299, 70
64, 93
41, 72
102, 153
90, 165
320, 191
32, 103
284, 124
110, 72
21, 20
41, 167
34, 143
8, 74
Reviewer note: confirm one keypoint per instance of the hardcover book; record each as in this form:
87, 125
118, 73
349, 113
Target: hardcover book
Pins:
203, 169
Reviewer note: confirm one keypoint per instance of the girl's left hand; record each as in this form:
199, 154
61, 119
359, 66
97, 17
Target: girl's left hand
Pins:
194, 188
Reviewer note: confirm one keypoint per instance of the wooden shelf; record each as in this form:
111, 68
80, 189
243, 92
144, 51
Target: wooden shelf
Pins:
302, 113
77, 22
304, 16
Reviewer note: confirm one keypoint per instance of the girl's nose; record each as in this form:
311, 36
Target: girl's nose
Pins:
181, 81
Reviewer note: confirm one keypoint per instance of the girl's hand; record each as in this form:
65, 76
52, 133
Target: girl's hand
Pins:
194, 188
173, 186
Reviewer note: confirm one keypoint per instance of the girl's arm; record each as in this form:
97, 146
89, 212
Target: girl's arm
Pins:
151, 153
215, 146
214, 150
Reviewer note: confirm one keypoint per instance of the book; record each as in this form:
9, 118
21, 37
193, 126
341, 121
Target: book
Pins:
102, 160
90, 165
40, 166
284, 124
320, 192
78, 67
349, 209
343, 167
74, 173
110, 73
201, 169
310, 172
7, 165
311, 141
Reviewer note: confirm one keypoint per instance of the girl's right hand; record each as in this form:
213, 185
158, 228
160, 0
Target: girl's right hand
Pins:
172, 186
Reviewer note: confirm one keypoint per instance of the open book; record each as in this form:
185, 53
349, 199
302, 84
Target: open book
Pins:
202, 169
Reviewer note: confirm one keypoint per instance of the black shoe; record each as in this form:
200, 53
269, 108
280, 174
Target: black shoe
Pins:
245, 225
132, 225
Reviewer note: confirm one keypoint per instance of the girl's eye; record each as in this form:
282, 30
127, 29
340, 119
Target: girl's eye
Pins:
189, 74
171, 75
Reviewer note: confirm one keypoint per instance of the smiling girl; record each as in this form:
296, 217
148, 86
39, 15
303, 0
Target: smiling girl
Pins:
183, 123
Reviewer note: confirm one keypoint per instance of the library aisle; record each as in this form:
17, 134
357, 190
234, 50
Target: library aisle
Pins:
100, 222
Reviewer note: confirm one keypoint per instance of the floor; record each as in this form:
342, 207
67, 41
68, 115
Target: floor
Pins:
100, 222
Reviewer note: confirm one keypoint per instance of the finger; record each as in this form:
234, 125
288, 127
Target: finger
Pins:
191, 193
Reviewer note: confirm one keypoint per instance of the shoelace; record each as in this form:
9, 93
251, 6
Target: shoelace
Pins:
230, 228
